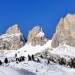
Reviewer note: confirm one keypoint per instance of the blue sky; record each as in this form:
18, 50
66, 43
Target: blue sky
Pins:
30, 13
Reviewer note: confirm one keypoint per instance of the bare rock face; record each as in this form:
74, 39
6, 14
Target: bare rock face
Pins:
37, 37
14, 29
65, 31
13, 39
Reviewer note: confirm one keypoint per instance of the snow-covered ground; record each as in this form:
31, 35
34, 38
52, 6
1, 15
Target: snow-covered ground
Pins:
42, 68
39, 68
64, 50
13, 71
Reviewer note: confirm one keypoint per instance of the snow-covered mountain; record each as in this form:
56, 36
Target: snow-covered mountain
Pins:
65, 31
30, 49
42, 67
37, 37
12, 39
36, 57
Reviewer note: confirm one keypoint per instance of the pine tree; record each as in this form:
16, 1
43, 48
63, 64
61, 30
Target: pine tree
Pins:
62, 61
41, 56
72, 63
48, 61
33, 57
6, 60
29, 57
22, 58
15, 55
0, 62
38, 60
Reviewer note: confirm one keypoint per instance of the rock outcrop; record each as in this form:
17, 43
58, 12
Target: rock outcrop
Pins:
65, 31
13, 39
14, 29
37, 37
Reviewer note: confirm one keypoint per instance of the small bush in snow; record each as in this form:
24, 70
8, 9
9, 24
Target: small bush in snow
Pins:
72, 63
62, 61
33, 57
17, 59
16, 62
48, 61
22, 58
29, 57
15, 55
38, 60
51, 59
41, 56
36, 70
6, 60
0, 62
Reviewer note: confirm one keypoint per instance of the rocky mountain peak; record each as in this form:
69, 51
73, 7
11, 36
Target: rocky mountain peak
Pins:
65, 31
14, 29
36, 36
13, 39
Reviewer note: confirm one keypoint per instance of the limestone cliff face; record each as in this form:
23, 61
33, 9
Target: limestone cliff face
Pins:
13, 39
14, 29
36, 36
65, 31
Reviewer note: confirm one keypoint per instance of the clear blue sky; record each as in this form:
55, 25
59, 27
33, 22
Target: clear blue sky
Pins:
29, 13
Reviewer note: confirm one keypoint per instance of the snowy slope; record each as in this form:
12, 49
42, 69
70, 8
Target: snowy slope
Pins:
28, 49
64, 50
13, 71
43, 69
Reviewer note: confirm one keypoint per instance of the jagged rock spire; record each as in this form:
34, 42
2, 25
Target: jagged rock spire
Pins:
65, 31
36, 36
